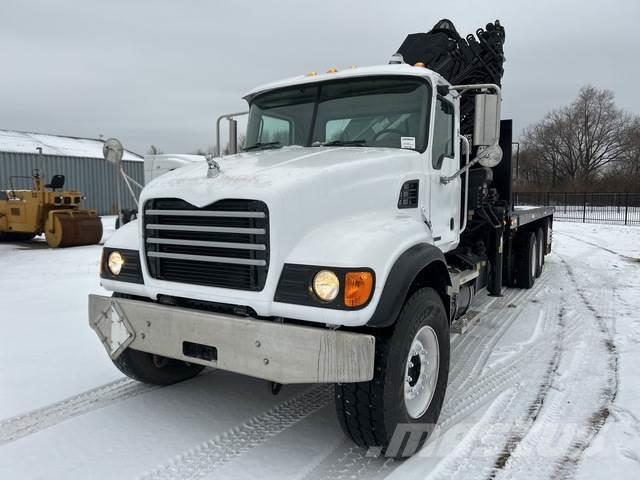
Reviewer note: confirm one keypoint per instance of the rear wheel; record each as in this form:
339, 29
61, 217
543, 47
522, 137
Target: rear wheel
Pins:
406, 393
542, 247
526, 260
154, 369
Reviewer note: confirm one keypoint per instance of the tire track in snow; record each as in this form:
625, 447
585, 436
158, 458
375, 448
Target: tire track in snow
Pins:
521, 430
28, 423
483, 350
212, 454
13, 428
490, 442
467, 350
350, 462
570, 461
354, 462
613, 252
556, 420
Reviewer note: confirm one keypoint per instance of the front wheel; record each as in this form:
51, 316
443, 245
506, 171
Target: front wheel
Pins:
405, 396
154, 369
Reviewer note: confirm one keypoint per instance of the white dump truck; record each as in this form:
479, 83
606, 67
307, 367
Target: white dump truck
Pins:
367, 210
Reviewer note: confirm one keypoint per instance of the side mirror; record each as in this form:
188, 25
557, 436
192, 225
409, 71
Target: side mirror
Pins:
113, 151
490, 156
486, 129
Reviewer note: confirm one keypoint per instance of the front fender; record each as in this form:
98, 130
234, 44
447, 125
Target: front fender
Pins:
127, 237
414, 262
375, 240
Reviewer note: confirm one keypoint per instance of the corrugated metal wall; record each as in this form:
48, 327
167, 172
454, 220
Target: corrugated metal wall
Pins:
95, 177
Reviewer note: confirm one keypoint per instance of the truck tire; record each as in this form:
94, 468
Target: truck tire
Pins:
154, 369
527, 260
406, 393
542, 248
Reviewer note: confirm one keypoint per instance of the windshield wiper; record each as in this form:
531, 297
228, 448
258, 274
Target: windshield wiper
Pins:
263, 146
344, 143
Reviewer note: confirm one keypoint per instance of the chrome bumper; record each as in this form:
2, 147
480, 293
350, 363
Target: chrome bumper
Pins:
279, 352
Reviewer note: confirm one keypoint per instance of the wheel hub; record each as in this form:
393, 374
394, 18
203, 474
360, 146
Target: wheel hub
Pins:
421, 373
159, 361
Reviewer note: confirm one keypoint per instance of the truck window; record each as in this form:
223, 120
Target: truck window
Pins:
273, 129
443, 131
376, 112
389, 112
287, 110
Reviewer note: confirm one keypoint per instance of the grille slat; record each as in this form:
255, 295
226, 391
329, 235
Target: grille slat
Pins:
200, 228
206, 213
225, 244
205, 243
206, 258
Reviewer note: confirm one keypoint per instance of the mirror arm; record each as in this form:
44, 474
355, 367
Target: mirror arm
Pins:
467, 154
228, 116
467, 166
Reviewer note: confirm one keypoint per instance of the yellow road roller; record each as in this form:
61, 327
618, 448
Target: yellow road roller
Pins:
49, 210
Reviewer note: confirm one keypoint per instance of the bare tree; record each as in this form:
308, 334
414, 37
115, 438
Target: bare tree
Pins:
211, 149
577, 144
241, 144
153, 150
630, 162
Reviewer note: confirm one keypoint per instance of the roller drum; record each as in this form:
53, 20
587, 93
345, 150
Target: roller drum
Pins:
73, 229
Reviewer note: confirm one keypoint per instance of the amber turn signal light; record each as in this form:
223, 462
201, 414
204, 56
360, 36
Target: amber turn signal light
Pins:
357, 288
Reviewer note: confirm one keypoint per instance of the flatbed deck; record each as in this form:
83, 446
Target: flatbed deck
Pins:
523, 214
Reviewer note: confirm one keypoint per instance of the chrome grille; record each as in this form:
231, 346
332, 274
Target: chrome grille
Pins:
225, 244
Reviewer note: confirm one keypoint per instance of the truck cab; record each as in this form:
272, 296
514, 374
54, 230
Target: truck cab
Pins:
330, 158
332, 249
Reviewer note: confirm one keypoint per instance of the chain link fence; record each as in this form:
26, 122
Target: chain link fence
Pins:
611, 208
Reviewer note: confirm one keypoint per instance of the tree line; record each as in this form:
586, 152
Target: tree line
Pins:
589, 145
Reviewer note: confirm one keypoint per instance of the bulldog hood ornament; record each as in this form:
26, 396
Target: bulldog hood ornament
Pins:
214, 167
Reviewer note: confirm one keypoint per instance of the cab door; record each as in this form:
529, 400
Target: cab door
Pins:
444, 204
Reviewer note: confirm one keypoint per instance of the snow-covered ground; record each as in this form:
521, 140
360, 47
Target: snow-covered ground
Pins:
545, 385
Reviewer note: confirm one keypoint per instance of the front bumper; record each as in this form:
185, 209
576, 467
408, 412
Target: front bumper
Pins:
279, 352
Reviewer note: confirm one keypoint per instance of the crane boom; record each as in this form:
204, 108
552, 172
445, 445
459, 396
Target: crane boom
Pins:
473, 59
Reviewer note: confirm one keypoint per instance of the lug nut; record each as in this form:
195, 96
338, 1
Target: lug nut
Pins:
266, 361
257, 343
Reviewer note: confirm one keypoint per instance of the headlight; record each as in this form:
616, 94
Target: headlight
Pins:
326, 285
115, 263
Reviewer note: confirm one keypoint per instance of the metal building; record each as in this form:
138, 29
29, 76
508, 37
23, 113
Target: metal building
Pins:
79, 159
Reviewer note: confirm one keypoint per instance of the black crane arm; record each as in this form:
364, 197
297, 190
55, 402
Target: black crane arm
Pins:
470, 60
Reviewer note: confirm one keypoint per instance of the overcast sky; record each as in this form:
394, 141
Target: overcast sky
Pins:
160, 72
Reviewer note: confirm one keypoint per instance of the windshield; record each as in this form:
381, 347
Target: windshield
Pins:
373, 111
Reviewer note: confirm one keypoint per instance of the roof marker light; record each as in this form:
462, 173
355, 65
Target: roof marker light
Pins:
419, 64
396, 58
332, 70
311, 74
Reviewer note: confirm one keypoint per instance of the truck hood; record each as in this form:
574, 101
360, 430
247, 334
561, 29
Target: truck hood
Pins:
267, 174
308, 191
